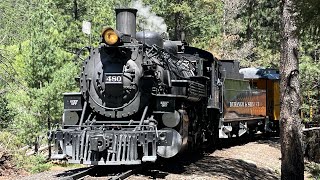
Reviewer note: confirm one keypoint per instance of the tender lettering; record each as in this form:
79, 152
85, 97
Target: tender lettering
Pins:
244, 104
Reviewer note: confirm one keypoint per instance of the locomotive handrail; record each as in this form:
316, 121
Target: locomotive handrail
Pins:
78, 53
83, 112
142, 118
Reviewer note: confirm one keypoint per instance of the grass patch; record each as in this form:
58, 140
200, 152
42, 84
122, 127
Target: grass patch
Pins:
34, 164
12, 144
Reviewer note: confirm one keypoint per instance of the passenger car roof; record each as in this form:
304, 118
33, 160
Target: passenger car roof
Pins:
260, 73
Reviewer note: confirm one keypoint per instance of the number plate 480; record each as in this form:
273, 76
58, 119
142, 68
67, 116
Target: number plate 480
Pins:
113, 78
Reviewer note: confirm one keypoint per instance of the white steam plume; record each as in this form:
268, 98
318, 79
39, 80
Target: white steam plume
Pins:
149, 20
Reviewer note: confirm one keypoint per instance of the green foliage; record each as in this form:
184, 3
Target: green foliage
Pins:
263, 22
6, 115
199, 26
32, 107
39, 71
100, 13
9, 141
313, 169
252, 32
14, 21
27, 123
63, 81
265, 57
33, 164
308, 17
310, 82
46, 55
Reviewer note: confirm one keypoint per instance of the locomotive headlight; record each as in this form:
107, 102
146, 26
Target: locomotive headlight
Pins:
110, 36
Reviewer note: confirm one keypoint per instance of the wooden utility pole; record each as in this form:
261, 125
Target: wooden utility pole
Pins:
292, 166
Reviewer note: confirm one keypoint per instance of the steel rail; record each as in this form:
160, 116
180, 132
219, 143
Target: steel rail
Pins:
123, 175
81, 174
130, 172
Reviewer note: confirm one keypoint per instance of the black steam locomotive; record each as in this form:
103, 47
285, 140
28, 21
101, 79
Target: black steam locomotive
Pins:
142, 97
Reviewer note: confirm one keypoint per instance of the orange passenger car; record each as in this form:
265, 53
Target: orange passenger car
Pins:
251, 100
267, 80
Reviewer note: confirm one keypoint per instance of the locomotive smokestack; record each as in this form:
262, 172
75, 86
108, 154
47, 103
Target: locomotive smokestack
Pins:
126, 21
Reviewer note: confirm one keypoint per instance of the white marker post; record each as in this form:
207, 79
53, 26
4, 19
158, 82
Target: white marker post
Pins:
86, 28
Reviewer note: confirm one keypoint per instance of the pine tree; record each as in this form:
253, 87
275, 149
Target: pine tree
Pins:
292, 166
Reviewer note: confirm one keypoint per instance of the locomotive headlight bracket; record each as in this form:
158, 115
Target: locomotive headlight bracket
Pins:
110, 36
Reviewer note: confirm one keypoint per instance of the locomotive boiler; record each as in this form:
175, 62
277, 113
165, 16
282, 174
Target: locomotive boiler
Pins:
140, 98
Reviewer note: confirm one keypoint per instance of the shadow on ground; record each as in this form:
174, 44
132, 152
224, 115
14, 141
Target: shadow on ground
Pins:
224, 168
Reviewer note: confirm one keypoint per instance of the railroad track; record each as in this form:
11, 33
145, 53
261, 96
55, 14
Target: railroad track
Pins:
98, 171
123, 175
81, 174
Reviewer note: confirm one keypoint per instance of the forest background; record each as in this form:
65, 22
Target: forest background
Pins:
39, 40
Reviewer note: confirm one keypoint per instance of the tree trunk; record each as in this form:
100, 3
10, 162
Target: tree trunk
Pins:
75, 9
292, 166
177, 25
249, 29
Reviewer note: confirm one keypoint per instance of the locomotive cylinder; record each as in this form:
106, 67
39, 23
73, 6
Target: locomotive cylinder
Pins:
126, 21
